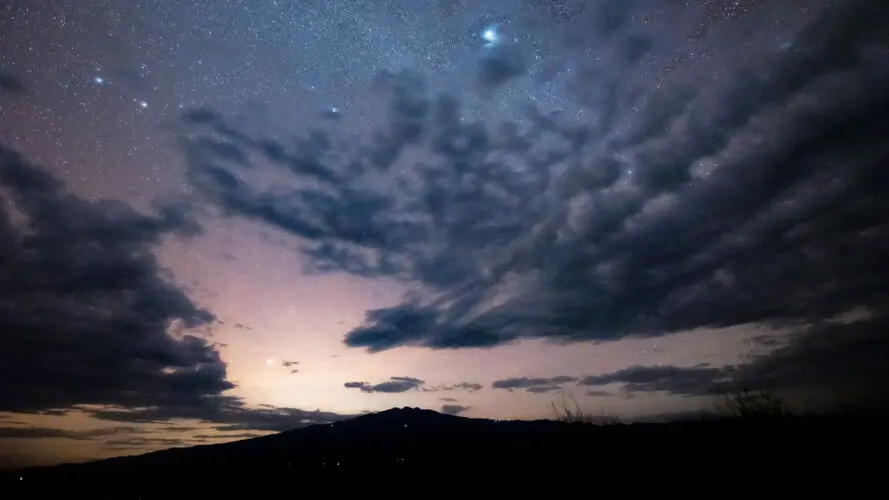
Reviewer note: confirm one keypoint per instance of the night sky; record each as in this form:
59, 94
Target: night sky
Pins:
220, 219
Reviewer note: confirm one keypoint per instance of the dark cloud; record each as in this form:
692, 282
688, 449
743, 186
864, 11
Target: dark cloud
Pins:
840, 361
393, 385
89, 318
87, 310
609, 17
634, 48
500, 64
37, 433
224, 414
462, 386
699, 202
59, 412
405, 384
836, 364
533, 385
692, 381
833, 365
140, 443
453, 409
241, 435
11, 84
21, 432
288, 364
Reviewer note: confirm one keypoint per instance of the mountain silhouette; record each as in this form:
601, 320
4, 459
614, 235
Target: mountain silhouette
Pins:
427, 447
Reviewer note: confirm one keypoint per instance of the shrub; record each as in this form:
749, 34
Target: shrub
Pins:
748, 404
573, 413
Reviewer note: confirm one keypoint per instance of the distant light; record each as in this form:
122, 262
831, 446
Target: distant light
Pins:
270, 361
143, 104
490, 35
334, 109
99, 80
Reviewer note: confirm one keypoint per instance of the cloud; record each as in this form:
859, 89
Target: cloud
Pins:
500, 64
840, 361
453, 409
533, 385
117, 438
289, 364
141, 443
692, 381
391, 386
39, 433
462, 386
90, 321
11, 84
225, 414
835, 364
111, 438
22, 432
677, 205
241, 435
87, 309
405, 384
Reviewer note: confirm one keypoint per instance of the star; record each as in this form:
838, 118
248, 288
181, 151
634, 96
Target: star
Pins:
490, 35
98, 80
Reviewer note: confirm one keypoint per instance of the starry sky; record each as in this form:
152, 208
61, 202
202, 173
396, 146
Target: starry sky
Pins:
221, 219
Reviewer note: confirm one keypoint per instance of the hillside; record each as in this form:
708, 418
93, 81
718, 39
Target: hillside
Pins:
432, 448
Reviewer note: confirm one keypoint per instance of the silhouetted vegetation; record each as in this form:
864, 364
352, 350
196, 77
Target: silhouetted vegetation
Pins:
572, 412
744, 405
747, 404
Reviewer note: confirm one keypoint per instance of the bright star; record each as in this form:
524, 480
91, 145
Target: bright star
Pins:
99, 80
143, 104
490, 35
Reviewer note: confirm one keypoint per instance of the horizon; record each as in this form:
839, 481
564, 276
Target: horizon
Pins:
558, 417
224, 220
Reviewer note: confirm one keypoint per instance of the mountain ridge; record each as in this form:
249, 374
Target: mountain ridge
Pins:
427, 445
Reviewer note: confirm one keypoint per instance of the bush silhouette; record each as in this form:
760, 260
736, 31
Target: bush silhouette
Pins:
748, 404
573, 413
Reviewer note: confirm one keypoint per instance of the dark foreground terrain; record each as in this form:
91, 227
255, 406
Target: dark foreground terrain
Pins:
401, 451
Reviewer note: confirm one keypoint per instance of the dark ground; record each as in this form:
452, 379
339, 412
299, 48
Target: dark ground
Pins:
411, 452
